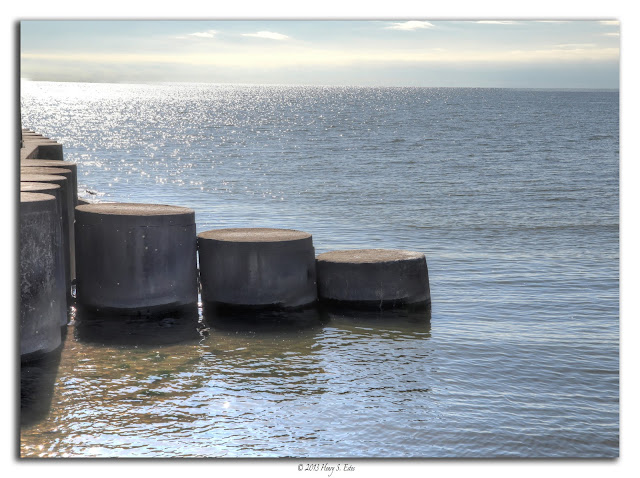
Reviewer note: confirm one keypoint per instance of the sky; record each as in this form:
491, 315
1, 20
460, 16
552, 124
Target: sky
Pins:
418, 52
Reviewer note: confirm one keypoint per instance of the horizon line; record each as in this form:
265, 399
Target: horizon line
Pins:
155, 82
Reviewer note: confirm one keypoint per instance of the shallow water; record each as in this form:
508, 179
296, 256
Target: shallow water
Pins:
511, 194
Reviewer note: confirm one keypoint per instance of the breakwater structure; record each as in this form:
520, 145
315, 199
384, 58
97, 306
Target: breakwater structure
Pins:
128, 259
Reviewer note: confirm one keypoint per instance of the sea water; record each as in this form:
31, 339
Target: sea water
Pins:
512, 195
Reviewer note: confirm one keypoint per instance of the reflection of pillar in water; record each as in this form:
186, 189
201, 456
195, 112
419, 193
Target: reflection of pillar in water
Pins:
274, 353
405, 320
37, 380
167, 328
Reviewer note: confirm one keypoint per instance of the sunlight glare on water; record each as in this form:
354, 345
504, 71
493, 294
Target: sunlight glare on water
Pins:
511, 194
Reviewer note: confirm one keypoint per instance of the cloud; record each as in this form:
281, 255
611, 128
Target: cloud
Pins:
612, 34
207, 34
269, 35
410, 25
552, 21
296, 56
498, 22
609, 22
575, 46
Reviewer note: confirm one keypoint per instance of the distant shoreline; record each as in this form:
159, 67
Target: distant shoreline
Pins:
296, 85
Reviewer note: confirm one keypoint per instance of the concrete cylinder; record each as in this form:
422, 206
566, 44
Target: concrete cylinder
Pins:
43, 305
68, 173
63, 247
50, 150
373, 277
135, 259
257, 267
52, 163
63, 182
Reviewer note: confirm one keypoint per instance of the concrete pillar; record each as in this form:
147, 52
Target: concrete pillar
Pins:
257, 267
42, 299
135, 259
50, 150
52, 163
67, 172
37, 146
62, 181
63, 247
374, 278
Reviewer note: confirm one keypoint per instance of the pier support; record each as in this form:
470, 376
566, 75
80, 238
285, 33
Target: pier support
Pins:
373, 278
63, 247
67, 207
135, 259
43, 305
51, 163
258, 267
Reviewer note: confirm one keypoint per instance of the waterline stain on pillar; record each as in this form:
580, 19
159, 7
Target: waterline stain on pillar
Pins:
43, 305
374, 278
135, 258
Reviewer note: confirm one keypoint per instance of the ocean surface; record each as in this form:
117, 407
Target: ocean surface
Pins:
513, 195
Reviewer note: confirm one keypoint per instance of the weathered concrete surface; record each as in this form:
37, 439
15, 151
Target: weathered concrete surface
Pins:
63, 246
257, 267
374, 277
52, 163
135, 258
37, 146
62, 180
42, 299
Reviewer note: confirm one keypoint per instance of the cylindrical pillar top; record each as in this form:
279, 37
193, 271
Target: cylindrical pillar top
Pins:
38, 187
254, 235
27, 197
42, 178
48, 163
137, 214
44, 170
369, 256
